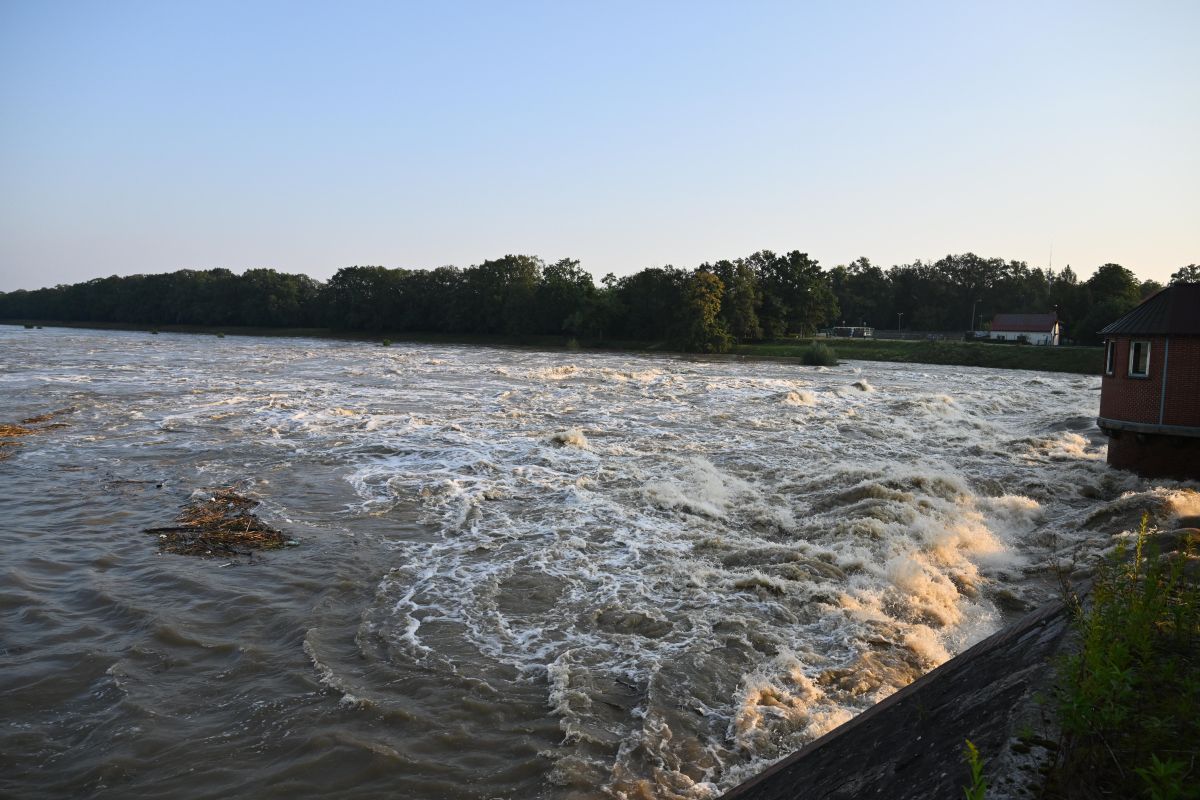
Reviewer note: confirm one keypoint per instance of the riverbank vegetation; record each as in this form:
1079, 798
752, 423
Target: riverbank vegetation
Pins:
818, 354
1129, 700
1079, 360
713, 308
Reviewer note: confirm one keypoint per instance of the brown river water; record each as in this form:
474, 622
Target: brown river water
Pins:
516, 574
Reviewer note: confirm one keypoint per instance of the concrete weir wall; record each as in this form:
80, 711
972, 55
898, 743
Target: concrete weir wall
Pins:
911, 744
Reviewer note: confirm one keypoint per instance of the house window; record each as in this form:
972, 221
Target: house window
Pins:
1139, 359
1110, 357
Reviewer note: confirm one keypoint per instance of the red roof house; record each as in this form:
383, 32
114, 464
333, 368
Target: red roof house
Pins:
1033, 328
1150, 391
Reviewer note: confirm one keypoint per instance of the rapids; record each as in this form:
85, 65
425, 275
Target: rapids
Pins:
518, 574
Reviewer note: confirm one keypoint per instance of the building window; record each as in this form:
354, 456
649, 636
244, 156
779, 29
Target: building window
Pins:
1139, 359
1110, 357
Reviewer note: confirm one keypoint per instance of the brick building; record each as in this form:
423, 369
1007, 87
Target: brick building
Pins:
1150, 391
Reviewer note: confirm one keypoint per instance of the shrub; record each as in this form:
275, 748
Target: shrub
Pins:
1128, 698
819, 354
386, 343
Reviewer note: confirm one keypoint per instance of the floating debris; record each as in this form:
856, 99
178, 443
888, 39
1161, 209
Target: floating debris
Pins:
219, 523
8, 432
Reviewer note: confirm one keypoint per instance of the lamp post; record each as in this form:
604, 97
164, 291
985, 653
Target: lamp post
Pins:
899, 327
972, 325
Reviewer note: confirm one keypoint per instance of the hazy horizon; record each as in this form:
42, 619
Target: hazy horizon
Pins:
141, 137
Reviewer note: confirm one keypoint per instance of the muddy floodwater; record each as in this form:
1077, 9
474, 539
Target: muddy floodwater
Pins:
508, 574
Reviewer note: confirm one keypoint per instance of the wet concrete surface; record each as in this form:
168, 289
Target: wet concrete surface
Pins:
911, 744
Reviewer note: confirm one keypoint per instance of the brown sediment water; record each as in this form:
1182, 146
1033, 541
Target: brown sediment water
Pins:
516, 574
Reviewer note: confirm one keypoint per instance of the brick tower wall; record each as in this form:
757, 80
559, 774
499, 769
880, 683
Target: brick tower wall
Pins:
1132, 399
1183, 382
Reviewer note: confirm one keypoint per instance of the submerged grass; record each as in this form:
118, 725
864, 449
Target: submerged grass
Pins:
1129, 699
218, 524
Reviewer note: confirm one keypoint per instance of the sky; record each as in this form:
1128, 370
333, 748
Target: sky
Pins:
142, 137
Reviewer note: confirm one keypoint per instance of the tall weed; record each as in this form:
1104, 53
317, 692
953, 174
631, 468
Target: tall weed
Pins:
1129, 699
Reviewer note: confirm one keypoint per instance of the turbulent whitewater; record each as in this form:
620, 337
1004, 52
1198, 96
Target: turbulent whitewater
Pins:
516, 574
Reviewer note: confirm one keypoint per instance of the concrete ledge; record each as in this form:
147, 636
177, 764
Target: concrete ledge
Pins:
1107, 424
910, 746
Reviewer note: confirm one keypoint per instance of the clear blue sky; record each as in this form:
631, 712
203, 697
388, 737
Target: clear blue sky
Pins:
154, 136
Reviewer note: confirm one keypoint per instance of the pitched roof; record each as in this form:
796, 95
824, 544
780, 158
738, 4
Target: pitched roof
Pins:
1174, 310
1029, 323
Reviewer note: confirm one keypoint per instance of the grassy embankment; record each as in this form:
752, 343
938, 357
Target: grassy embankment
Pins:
1079, 360
1129, 698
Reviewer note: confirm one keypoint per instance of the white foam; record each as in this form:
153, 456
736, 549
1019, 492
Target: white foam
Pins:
599, 525
572, 437
799, 398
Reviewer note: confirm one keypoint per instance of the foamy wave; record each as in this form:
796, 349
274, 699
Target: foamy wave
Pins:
799, 398
616, 532
572, 437
776, 699
700, 489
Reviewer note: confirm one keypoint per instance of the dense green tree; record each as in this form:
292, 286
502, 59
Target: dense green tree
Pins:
1019, 289
921, 299
1116, 283
864, 293
763, 295
1099, 315
433, 301
964, 279
267, 298
563, 298
1188, 274
700, 327
364, 298
648, 303
1113, 291
498, 296
742, 299
1150, 288
798, 296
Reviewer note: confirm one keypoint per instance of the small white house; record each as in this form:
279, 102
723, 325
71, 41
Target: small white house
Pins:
1035, 328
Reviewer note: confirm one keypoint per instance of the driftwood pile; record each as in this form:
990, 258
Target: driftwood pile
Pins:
218, 523
44, 422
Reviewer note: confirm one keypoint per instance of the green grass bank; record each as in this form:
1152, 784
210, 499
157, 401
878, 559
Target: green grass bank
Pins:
1078, 360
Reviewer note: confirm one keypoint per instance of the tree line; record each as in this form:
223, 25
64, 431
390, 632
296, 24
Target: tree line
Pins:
706, 309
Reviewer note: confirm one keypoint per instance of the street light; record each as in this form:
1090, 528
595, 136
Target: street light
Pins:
972, 324
899, 327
